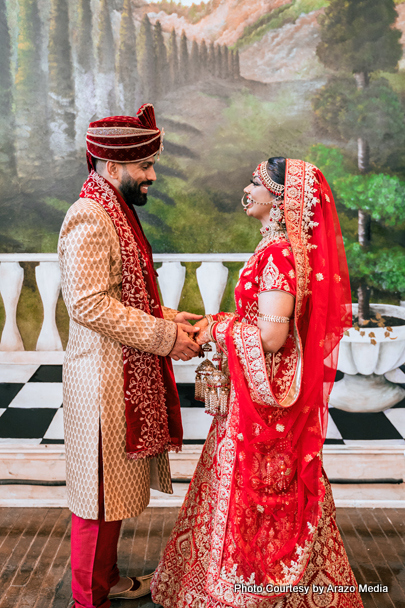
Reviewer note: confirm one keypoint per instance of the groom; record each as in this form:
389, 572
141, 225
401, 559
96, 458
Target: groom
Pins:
121, 406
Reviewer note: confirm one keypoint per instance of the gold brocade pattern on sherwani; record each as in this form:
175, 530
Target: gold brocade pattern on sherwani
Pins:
93, 384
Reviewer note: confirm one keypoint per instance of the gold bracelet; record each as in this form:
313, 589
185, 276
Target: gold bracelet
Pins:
273, 318
211, 324
210, 328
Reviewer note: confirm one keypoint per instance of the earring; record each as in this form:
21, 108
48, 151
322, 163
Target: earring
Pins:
276, 214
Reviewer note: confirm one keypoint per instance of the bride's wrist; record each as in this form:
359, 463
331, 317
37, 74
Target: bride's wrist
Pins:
207, 333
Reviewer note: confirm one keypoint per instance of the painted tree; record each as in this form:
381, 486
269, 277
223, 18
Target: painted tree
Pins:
30, 94
147, 60
211, 64
60, 82
85, 89
7, 132
231, 62
236, 68
225, 62
127, 72
173, 59
218, 61
358, 37
105, 76
195, 67
203, 58
162, 65
184, 67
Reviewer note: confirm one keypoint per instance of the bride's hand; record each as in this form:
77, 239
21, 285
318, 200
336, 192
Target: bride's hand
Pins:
202, 337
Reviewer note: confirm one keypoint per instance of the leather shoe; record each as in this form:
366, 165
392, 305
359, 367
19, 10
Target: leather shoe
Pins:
131, 593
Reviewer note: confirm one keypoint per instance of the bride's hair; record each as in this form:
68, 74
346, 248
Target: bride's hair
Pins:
276, 169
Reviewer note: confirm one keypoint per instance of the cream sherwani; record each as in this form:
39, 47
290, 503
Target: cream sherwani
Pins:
93, 377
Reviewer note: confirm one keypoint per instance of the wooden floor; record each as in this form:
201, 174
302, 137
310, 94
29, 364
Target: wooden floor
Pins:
35, 546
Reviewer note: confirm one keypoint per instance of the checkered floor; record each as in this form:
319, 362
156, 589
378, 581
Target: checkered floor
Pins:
31, 412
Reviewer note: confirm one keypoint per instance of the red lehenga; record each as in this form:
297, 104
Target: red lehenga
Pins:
257, 528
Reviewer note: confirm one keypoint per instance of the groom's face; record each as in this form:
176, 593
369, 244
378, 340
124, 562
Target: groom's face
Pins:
135, 179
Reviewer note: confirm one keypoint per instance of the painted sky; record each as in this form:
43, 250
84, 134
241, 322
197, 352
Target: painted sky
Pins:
183, 2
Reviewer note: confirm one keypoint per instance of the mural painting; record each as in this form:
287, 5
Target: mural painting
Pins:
233, 82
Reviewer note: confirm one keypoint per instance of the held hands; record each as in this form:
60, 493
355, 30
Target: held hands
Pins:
183, 317
203, 335
185, 348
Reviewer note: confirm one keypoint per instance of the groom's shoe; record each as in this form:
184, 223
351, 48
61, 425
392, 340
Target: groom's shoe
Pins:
140, 587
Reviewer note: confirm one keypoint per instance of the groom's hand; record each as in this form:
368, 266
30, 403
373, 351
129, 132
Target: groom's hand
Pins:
185, 348
184, 317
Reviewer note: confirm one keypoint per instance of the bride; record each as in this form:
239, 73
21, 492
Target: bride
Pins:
257, 528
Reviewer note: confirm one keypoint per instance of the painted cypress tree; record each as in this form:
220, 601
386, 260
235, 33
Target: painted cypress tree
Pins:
195, 68
212, 63
60, 81
147, 60
358, 36
173, 59
236, 66
162, 65
105, 77
32, 140
231, 62
127, 72
225, 62
184, 67
218, 62
85, 90
203, 58
7, 132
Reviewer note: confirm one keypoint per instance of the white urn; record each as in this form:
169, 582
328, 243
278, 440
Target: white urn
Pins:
366, 356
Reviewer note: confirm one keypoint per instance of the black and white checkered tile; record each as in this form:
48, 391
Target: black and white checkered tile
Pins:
31, 412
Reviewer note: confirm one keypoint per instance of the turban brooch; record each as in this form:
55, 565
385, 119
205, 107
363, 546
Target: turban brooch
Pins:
124, 139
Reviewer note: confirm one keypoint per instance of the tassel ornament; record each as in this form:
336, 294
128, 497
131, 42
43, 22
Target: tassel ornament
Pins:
212, 384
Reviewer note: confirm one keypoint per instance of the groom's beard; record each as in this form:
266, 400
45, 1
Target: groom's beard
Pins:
131, 191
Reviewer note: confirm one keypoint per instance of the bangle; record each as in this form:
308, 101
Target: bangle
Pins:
273, 318
210, 330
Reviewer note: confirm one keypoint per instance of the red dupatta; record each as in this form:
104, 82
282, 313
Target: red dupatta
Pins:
271, 491
152, 405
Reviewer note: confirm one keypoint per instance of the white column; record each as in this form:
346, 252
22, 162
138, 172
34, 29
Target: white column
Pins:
11, 280
211, 279
48, 281
171, 276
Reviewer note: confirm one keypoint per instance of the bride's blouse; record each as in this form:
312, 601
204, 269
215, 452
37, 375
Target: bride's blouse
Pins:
270, 268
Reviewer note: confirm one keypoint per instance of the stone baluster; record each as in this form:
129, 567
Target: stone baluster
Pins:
171, 276
48, 281
242, 269
11, 280
211, 279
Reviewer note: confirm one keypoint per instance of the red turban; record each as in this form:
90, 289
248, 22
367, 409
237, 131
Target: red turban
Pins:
124, 139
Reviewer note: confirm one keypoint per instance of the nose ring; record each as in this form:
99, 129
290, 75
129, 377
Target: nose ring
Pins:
246, 204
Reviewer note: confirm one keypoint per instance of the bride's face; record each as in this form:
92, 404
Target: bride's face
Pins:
259, 199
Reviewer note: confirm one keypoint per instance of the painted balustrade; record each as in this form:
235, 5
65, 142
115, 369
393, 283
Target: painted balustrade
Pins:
212, 277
